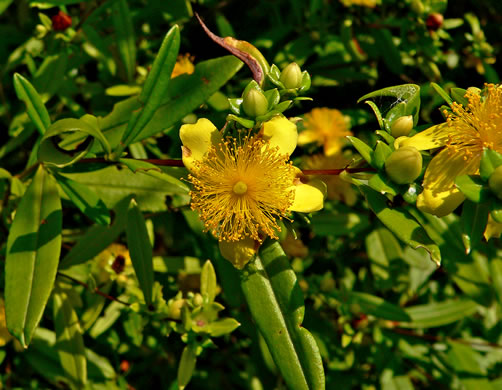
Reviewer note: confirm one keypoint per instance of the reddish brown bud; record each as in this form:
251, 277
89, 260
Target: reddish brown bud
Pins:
61, 21
434, 21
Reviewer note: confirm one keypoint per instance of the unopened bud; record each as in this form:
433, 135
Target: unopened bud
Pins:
197, 300
61, 21
495, 182
402, 126
174, 310
291, 76
404, 165
434, 21
254, 103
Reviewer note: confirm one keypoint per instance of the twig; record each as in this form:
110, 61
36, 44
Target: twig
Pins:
94, 290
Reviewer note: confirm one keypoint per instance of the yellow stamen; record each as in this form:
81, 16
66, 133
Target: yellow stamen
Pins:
242, 188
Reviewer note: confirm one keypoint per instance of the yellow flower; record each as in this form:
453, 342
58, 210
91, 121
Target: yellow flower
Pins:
492, 229
242, 187
327, 127
467, 131
337, 188
183, 65
363, 3
5, 336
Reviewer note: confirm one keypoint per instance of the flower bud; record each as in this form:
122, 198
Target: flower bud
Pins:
404, 165
402, 126
417, 6
291, 76
495, 182
174, 308
254, 103
198, 300
434, 21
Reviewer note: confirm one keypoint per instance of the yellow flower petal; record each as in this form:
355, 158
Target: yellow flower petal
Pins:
309, 196
197, 139
440, 196
238, 252
493, 229
309, 136
281, 133
433, 137
333, 146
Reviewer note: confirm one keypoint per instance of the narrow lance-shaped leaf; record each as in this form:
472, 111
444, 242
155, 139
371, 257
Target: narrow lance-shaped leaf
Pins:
276, 304
33, 249
208, 282
124, 33
155, 87
69, 340
186, 366
140, 250
34, 105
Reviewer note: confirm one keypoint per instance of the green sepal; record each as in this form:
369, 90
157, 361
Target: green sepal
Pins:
247, 123
411, 194
382, 151
489, 161
364, 150
387, 137
274, 76
381, 183
458, 95
473, 187
235, 105
273, 98
306, 82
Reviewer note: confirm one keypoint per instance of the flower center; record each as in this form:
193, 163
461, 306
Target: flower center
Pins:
240, 188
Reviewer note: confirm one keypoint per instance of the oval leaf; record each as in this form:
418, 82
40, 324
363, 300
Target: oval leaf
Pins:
33, 249
186, 366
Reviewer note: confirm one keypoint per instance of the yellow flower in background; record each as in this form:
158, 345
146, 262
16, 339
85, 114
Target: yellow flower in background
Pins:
242, 187
327, 127
184, 65
337, 188
5, 336
363, 3
467, 131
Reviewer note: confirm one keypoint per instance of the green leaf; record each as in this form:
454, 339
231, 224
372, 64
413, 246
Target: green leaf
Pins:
373, 305
98, 237
408, 101
441, 92
246, 123
436, 314
489, 161
34, 105
208, 282
377, 112
69, 340
33, 249
50, 76
154, 89
85, 199
52, 153
402, 224
390, 54
469, 366
222, 327
364, 150
186, 366
329, 223
474, 220
124, 36
112, 185
4, 4
383, 249
184, 94
473, 187
144, 167
276, 304
140, 250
